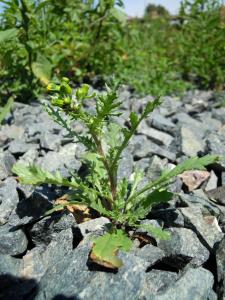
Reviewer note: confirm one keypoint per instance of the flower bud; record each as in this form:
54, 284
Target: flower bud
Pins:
65, 89
53, 87
65, 79
67, 100
57, 102
82, 92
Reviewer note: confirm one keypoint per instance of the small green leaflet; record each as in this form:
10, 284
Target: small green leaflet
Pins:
106, 247
35, 175
133, 119
156, 197
150, 107
83, 93
156, 232
6, 109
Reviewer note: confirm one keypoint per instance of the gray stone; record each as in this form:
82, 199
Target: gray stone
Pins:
171, 217
12, 131
199, 199
150, 254
161, 152
160, 138
206, 228
192, 124
190, 142
63, 160
68, 276
161, 123
8, 199
219, 114
37, 261
44, 230
215, 145
10, 265
213, 124
223, 178
20, 147
197, 106
195, 284
142, 164
156, 166
217, 195
140, 146
50, 141
170, 106
29, 157
126, 284
212, 183
183, 247
220, 260
32, 208
7, 161
3, 140
126, 165
94, 225
155, 281
12, 242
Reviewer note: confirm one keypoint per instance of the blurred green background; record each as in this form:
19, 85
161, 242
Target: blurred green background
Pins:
89, 41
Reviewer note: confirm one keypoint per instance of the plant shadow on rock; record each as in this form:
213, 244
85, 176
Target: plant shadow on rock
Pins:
40, 201
62, 297
166, 265
12, 287
95, 267
16, 288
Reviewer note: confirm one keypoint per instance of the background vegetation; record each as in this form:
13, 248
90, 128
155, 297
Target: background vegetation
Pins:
91, 40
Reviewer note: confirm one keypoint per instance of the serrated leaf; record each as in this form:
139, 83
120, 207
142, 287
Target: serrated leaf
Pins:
194, 163
105, 249
156, 231
97, 205
156, 197
112, 135
150, 107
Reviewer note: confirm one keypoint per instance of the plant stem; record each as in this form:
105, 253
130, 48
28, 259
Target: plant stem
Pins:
112, 180
125, 143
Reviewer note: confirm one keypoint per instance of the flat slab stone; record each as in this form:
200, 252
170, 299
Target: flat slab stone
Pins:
206, 227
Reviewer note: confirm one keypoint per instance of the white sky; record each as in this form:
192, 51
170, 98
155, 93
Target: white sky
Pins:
136, 7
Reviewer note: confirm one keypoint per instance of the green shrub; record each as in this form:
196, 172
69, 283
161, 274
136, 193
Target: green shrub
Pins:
124, 202
202, 55
43, 40
148, 65
73, 37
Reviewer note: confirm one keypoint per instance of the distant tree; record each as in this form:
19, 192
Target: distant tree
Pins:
154, 11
